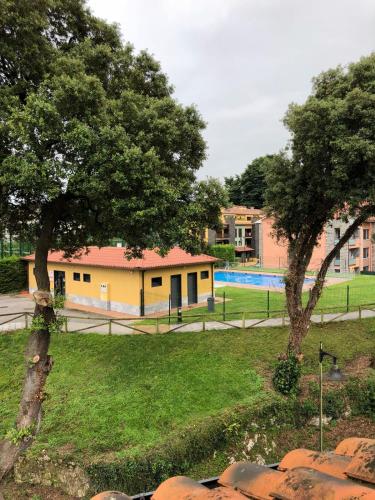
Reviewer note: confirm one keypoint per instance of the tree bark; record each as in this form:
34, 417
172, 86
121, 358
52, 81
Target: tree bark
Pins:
38, 362
300, 316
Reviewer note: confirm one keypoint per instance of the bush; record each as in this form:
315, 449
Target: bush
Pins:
334, 403
361, 394
287, 375
13, 276
224, 252
307, 409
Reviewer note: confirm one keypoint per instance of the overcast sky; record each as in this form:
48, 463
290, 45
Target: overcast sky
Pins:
243, 61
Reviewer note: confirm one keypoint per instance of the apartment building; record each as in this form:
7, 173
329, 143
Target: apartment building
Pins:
237, 227
358, 254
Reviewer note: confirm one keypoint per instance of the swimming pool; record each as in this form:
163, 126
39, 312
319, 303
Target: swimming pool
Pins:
265, 280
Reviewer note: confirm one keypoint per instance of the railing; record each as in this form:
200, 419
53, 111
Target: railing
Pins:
197, 322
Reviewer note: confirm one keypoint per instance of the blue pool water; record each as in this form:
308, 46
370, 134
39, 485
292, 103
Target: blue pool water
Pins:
266, 280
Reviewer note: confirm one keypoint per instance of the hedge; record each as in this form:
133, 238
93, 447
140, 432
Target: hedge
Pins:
13, 276
224, 252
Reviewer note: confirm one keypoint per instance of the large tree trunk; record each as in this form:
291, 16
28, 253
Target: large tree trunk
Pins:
300, 255
38, 363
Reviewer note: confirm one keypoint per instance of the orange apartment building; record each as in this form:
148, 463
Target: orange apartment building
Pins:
357, 255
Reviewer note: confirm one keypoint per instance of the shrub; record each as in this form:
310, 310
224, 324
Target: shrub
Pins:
13, 277
287, 375
334, 403
224, 252
307, 409
361, 394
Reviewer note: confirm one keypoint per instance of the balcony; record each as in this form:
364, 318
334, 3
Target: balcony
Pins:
354, 242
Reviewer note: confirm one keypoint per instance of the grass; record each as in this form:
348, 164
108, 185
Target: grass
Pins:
255, 302
108, 394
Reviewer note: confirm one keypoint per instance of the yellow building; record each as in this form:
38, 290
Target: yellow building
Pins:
105, 279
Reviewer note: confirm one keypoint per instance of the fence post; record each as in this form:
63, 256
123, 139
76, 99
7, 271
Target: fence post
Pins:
223, 306
359, 312
66, 324
203, 323
26, 321
2, 248
157, 325
268, 303
110, 327
243, 320
321, 316
347, 298
169, 310
283, 319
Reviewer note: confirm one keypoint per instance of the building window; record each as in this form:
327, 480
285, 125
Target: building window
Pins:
365, 268
337, 270
204, 275
77, 276
87, 278
366, 234
156, 281
365, 253
337, 233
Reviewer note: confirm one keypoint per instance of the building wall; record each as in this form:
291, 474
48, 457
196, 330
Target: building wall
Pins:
124, 286
352, 256
157, 298
274, 254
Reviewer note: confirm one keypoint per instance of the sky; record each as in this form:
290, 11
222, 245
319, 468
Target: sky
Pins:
241, 62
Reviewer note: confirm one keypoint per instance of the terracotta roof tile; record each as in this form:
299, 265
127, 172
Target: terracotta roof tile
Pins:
327, 462
351, 446
305, 475
309, 484
114, 257
250, 479
241, 210
184, 488
362, 465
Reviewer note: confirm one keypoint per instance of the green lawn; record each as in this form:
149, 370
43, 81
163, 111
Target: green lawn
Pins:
108, 394
255, 302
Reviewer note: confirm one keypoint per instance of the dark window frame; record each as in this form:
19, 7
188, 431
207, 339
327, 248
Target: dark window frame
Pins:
76, 276
86, 278
205, 275
156, 281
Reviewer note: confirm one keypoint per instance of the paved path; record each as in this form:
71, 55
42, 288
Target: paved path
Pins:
78, 321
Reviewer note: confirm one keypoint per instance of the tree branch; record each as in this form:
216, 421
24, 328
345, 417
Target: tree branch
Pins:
316, 290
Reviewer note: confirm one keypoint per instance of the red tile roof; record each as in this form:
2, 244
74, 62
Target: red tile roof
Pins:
114, 257
241, 210
346, 474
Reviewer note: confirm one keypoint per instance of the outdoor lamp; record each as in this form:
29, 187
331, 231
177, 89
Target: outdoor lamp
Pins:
334, 375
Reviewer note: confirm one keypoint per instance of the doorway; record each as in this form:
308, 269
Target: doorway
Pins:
176, 298
59, 282
192, 288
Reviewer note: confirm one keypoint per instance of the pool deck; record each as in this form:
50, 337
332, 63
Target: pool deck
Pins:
218, 284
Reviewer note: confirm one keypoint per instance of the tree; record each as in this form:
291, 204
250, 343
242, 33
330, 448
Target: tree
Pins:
92, 145
248, 188
329, 172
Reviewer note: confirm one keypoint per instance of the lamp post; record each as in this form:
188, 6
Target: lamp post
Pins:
334, 375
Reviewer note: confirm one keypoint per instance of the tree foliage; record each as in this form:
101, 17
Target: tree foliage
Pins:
92, 145
248, 188
328, 172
